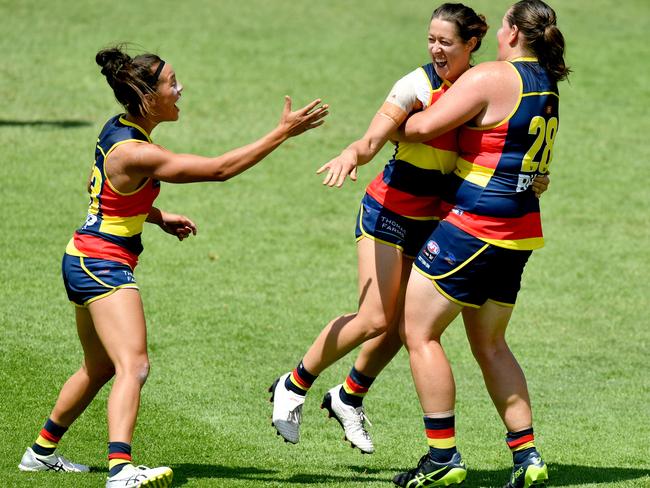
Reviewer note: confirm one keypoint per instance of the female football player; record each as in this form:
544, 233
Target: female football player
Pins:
472, 263
99, 261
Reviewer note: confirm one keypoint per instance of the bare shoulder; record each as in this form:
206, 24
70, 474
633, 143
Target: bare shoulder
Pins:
490, 75
138, 153
489, 70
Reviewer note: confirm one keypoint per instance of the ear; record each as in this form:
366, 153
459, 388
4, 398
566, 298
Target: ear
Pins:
471, 44
513, 36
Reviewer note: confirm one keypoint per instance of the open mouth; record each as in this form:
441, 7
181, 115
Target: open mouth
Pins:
440, 63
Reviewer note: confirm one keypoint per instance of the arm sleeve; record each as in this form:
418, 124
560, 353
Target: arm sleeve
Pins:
404, 92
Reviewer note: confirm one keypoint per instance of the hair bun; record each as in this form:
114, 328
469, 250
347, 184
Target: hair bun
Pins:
112, 60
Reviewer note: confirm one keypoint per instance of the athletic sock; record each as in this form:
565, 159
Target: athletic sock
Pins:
300, 380
119, 457
521, 444
355, 388
48, 439
441, 436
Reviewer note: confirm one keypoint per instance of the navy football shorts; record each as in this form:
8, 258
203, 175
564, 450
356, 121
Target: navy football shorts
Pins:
469, 271
380, 224
89, 279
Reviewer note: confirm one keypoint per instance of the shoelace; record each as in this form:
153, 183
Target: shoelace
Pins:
361, 420
415, 470
295, 415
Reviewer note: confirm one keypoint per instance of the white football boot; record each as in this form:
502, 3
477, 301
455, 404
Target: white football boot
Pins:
352, 419
287, 410
52, 462
135, 476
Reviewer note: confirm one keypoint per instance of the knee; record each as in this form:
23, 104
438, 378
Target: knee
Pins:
137, 368
375, 324
489, 351
142, 369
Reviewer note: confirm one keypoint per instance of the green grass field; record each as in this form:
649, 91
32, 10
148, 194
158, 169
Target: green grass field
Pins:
275, 257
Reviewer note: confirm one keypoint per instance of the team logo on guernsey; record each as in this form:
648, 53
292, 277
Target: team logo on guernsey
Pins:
431, 250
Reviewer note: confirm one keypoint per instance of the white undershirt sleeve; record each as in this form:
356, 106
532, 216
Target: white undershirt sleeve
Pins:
404, 92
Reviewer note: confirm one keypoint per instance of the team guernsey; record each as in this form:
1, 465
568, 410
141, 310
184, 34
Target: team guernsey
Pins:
113, 227
411, 182
496, 166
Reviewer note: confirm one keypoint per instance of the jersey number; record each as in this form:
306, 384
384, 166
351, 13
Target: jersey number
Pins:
545, 132
95, 188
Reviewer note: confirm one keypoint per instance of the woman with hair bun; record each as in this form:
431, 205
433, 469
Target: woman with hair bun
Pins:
99, 260
508, 113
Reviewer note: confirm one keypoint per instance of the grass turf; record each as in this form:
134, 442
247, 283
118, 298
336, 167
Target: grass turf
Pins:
274, 259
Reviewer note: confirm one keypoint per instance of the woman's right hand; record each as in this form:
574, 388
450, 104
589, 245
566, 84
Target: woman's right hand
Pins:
345, 164
304, 119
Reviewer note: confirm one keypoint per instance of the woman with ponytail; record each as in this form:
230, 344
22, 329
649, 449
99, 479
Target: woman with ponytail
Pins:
507, 112
400, 209
100, 259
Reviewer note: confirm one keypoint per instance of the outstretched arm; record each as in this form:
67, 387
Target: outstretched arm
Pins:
401, 100
150, 160
362, 150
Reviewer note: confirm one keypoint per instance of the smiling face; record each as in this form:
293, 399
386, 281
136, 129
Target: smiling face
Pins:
168, 92
450, 54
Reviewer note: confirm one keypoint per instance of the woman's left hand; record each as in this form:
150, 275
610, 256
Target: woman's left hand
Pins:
540, 184
177, 225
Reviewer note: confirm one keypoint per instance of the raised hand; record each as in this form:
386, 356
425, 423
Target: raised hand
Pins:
304, 119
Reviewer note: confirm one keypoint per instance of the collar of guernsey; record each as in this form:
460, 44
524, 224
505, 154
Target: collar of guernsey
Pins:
113, 227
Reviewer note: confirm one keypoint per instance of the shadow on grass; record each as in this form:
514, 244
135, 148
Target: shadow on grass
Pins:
55, 124
187, 471
560, 475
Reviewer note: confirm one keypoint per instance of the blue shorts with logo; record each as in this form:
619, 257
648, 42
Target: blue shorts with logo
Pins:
89, 279
377, 222
469, 271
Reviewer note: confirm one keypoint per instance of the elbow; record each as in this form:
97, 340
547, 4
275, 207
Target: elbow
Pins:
417, 134
220, 174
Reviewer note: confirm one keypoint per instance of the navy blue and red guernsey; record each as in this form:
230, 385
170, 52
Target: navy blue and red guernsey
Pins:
411, 182
115, 220
496, 165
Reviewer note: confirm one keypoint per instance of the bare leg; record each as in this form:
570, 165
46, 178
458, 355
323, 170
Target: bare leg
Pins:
376, 353
427, 314
380, 270
120, 324
82, 386
504, 379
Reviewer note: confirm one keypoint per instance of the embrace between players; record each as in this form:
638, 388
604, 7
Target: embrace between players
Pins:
446, 228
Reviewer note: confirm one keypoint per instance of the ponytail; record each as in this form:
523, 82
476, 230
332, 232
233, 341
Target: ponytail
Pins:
538, 24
